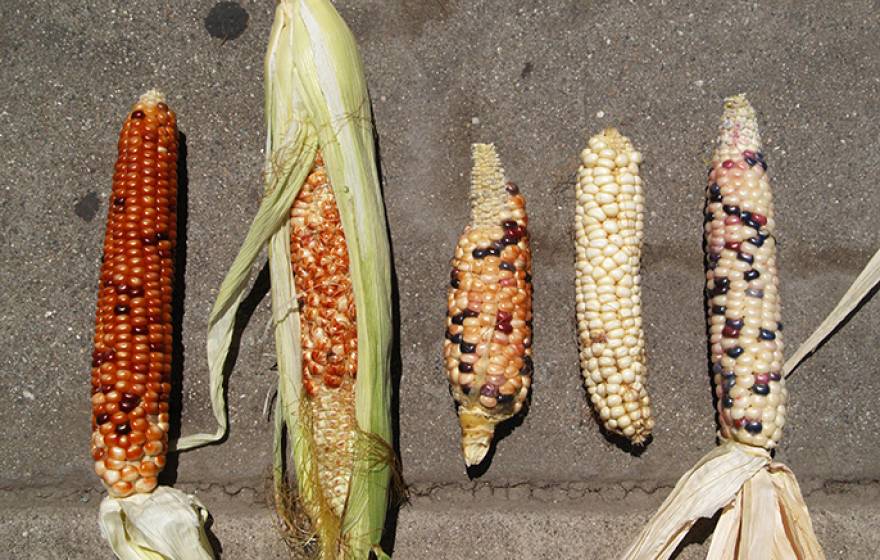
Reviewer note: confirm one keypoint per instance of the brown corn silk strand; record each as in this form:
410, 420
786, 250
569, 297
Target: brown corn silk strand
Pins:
488, 326
328, 318
131, 362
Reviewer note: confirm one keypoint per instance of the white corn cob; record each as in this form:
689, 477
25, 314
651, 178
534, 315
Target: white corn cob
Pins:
743, 304
608, 228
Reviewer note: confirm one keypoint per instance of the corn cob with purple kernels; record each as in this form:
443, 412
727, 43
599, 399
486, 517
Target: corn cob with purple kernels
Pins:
488, 327
742, 296
131, 363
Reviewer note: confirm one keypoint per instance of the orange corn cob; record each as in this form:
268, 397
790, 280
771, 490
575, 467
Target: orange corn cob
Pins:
131, 362
489, 322
328, 330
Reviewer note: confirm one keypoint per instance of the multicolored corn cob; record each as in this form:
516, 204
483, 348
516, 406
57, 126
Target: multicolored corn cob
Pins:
489, 325
741, 283
131, 363
328, 331
608, 228
762, 511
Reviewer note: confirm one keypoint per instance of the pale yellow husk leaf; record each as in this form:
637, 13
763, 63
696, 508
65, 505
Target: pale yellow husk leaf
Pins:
165, 524
763, 513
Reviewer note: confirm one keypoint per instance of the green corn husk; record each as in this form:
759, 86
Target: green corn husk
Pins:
316, 98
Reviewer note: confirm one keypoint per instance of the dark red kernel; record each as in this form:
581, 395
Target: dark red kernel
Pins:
506, 328
121, 309
137, 114
760, 218
727, 164
123, 429
511, 188
732, 245
729, 332
102, 418
139, 329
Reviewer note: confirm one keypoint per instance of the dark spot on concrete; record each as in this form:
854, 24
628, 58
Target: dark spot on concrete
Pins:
227, 21
87, 207
526, 71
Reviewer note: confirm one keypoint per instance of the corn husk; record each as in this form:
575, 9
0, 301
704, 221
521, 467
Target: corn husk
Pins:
165, 524
763, 514
316, 97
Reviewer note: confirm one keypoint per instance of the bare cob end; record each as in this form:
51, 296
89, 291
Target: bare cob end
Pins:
488, 327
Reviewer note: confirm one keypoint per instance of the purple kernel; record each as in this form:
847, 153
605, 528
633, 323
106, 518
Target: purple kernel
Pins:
735, 352
511, 188
465, 367
750, 275
754, 427
102, 418
139, 329
121, 309
767, 335
761, 389
507, 266
123, 429
489, 390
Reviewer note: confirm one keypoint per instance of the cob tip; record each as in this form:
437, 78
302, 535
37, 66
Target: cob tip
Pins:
152, 97
739, 128
487, 194
477, 430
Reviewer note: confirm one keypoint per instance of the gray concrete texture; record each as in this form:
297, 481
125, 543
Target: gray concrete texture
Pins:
537, 78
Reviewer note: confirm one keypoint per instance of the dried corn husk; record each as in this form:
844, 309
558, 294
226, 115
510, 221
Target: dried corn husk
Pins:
316, 96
